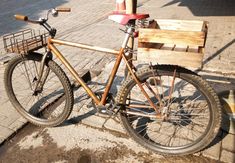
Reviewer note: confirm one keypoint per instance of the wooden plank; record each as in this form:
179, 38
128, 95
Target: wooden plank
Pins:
205, 26
171, 37
153, 24
205, 30
181, 48
167, 47
182, 25
150, 45
194, 49
156, 56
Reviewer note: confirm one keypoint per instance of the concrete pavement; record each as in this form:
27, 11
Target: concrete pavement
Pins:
87, 23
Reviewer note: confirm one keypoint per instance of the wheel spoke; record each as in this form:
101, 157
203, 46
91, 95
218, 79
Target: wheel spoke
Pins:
48, 106
183, 103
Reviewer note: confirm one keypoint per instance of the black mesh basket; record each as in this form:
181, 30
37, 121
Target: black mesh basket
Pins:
24, 41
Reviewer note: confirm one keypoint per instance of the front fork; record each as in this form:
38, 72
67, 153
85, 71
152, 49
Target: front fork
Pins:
42, 75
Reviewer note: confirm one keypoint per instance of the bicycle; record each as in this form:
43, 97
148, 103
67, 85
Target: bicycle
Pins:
165, 108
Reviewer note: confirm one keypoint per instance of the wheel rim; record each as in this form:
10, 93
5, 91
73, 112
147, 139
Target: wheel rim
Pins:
189, 118
45, 106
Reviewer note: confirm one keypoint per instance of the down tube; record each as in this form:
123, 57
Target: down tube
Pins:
73, 72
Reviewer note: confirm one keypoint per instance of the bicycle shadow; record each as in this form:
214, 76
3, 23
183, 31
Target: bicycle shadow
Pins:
218, 82
89, 109
223, 87
217, 53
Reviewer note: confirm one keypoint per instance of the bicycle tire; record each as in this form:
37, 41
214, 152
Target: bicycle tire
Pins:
52, 105
163, 137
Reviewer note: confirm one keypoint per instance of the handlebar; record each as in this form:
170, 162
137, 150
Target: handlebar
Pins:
43, 21
21, 17
25, 18
54, 12
63, 9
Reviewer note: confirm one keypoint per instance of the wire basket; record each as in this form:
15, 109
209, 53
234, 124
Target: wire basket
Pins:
24, 41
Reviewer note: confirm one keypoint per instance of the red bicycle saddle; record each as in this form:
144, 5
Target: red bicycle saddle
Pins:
125, 18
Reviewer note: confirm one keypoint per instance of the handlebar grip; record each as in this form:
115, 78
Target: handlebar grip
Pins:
21, 17
63, 9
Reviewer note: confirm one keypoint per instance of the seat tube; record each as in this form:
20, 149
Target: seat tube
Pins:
116, 65
129, 32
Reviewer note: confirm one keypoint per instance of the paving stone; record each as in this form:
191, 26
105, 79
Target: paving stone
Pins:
228, 142
8, 121
213, 152
227, 156
232, 127
114, 124
10, 113
16, 125
228, 124
4, 59
94, 121
5, 132
8, 110
2, 117
21, 119
1, 140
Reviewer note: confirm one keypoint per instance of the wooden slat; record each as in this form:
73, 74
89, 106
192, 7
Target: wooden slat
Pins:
167, 46
185, 59
205, 26
171, 37
182, 25
181, 48
150, 45
205, 30
194, 49
176, 42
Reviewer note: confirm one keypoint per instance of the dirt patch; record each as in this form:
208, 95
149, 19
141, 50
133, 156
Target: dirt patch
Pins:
48, 151
33, 144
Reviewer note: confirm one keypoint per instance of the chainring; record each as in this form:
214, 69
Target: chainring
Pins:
109, 107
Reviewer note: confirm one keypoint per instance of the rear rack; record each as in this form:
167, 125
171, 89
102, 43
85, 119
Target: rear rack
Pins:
24, 41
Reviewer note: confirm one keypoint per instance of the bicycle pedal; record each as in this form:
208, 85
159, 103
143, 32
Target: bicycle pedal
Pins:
102, 111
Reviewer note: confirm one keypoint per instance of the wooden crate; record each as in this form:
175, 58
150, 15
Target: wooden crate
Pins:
176, 42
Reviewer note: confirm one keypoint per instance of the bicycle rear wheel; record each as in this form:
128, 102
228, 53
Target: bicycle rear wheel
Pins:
49, 106
190, 110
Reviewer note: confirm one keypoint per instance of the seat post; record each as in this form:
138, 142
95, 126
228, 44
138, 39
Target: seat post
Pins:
131, 7
128, 35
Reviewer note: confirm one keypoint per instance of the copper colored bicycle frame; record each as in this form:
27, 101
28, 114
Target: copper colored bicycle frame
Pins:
119, 54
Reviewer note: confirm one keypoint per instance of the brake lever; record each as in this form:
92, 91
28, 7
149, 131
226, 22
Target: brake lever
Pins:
54, 12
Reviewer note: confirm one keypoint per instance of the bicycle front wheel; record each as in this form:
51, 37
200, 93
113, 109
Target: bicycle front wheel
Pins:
190, 110
48, 106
